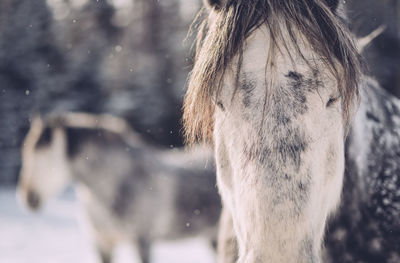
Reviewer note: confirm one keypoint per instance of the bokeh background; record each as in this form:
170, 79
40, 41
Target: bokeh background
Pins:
128, 58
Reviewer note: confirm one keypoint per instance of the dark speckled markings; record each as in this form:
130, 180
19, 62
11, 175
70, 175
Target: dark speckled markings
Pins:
297, 192
289, 141
291, 147
307, 249
248, 85
299, 86
366, 228
370, 116
288, 145
383, 182
290, 100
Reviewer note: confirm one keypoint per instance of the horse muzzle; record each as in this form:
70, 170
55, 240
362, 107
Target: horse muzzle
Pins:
33, 200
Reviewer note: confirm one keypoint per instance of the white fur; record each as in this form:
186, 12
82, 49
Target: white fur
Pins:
268, 231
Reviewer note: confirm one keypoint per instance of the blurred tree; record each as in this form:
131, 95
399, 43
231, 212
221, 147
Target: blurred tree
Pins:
125, 57
83, 36
29, 64
150, 68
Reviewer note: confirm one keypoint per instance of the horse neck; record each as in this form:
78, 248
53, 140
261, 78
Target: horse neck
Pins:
375, 134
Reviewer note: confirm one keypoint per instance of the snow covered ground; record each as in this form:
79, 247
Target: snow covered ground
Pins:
54, 236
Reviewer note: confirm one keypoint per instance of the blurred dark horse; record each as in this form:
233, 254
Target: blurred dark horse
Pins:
131, 191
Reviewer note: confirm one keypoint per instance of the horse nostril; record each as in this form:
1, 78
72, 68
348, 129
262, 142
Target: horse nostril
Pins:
33, 200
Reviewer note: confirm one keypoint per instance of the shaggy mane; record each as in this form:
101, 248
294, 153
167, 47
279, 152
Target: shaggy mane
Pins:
223, 38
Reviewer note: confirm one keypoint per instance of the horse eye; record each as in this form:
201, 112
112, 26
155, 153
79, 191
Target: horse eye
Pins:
332, 101
220, 105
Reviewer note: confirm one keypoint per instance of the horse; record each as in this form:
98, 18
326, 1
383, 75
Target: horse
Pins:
131, 191
274, 87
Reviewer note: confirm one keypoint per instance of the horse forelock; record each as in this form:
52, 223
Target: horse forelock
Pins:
222, 36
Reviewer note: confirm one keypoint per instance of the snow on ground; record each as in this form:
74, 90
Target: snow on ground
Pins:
54, 236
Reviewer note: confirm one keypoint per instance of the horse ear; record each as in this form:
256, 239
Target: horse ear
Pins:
333, 4
214, 4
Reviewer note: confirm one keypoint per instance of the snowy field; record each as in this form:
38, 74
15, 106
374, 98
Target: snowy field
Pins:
54, 236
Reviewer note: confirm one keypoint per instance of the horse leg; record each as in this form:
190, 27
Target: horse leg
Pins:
105, 256
214, 243
227, 243
143, 246
104, 250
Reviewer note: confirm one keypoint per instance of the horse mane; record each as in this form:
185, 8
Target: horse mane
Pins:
221, 36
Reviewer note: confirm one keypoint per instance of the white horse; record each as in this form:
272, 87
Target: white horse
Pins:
274, 87
131, 191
